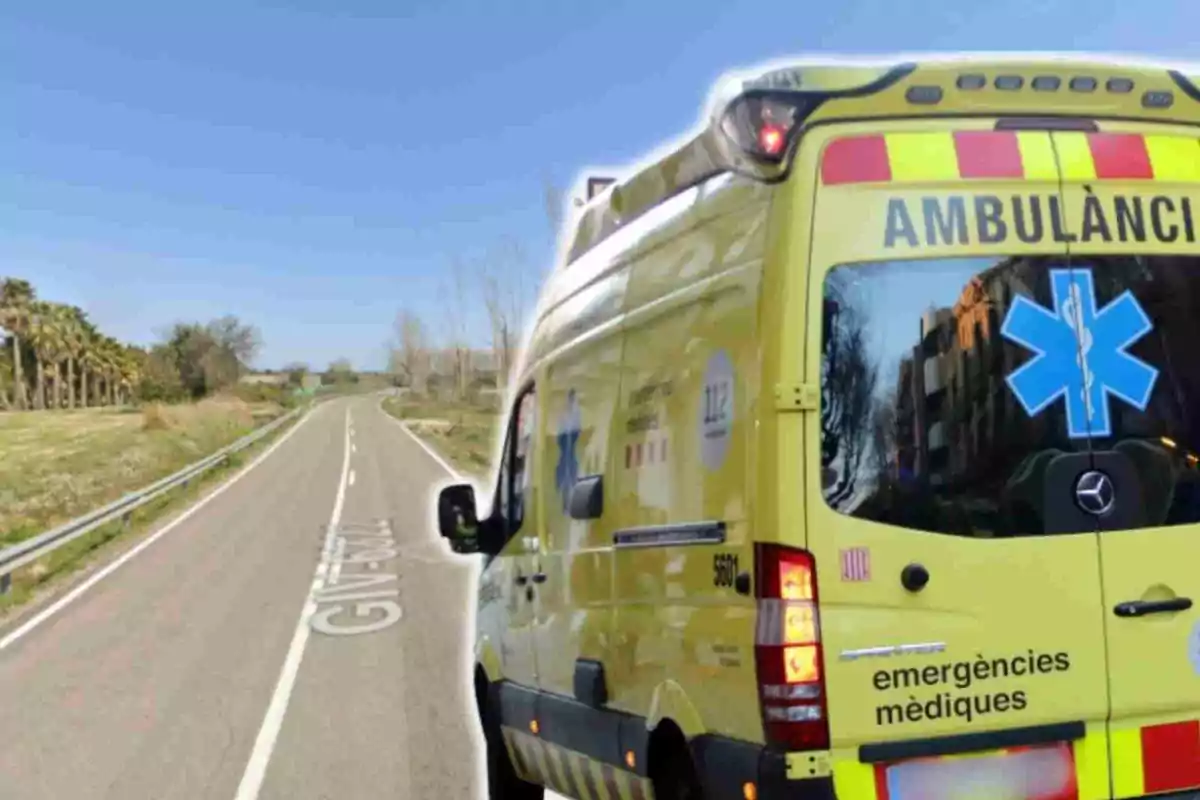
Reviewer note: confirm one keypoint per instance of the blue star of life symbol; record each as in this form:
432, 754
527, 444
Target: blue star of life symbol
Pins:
1080, 353
567, 470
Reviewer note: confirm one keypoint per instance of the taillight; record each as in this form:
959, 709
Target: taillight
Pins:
788, 650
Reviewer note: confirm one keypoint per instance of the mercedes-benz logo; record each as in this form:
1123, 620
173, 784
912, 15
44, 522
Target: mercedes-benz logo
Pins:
1094, 493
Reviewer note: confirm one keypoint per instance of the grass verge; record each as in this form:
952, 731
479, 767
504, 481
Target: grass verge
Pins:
462, 433
57, 465
50, 571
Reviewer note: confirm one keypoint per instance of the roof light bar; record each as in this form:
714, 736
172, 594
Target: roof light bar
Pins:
1153, 99
924, 95
1044, 83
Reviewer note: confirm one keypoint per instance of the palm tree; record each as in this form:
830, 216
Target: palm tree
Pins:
89, 363
132, 358
109, 369
6, 376
16, 297
58, 321
75, 337
100, 362
42, 337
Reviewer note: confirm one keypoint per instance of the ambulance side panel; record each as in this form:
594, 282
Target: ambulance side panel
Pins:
576, 352
690, 384
580, 389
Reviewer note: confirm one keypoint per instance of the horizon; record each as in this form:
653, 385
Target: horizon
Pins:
314, 170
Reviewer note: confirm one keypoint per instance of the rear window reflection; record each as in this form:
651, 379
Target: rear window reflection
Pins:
920, 429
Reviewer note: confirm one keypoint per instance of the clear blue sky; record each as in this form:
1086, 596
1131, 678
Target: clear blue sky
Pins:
313, 166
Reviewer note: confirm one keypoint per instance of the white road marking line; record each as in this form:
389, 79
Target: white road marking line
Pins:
469, 628
351, 477
432, 453
260, 756
78, 591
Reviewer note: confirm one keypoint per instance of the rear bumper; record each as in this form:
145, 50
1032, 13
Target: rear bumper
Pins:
725, 766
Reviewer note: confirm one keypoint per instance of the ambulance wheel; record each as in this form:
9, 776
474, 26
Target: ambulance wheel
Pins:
672, 771
502, 780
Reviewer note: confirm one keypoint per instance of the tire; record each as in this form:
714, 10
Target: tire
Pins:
675, 777
502, 780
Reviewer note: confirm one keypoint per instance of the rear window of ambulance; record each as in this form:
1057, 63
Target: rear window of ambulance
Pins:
921, 428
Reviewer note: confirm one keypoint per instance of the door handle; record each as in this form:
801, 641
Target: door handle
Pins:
1140, 608
539, 577
521, 580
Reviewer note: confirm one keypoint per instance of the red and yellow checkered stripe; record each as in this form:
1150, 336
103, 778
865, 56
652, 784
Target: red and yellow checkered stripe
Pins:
570, 773
1155, 758
933, 156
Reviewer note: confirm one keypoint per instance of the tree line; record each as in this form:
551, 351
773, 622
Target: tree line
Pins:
500, 285
54, 357
438, 358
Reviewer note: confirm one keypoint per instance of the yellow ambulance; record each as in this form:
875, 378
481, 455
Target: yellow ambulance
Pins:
855, 451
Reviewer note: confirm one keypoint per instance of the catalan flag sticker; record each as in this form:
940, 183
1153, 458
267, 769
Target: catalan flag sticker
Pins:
856, 564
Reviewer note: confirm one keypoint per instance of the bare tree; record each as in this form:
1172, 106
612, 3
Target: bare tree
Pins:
505, 279
410, 350
242, 340
456, 322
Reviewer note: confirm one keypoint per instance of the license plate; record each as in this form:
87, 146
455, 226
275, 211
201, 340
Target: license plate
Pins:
1039, 773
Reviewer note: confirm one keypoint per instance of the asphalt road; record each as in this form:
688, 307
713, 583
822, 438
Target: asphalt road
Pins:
244, 651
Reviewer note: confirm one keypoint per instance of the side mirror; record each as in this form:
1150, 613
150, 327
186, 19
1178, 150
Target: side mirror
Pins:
457, 518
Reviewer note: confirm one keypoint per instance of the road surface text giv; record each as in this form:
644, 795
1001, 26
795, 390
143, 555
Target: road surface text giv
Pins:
357, 598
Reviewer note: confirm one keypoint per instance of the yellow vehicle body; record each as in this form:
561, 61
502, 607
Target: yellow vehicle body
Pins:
834, 350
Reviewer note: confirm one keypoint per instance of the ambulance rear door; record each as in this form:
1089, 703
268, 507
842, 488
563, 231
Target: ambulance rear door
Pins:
960, 602
1132, 195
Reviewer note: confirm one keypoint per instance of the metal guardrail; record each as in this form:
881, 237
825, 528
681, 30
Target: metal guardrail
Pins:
26, 551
